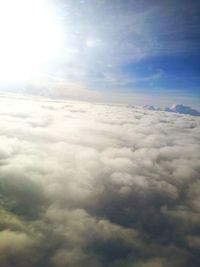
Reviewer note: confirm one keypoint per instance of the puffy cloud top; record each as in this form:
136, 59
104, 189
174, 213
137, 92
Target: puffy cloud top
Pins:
86, 184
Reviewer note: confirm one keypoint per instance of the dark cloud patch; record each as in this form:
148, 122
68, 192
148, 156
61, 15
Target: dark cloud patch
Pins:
22, 197
110, 186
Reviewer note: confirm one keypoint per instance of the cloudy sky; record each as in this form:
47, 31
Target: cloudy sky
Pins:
89, 176
123, 51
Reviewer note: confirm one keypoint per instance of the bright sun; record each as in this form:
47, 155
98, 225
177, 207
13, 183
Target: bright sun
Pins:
30, 38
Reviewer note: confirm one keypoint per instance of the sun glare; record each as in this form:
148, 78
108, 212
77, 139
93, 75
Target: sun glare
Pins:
30, 38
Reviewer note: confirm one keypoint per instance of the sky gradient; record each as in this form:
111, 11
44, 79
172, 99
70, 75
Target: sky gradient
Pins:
124, 50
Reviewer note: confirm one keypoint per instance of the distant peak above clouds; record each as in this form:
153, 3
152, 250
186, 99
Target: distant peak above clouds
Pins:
151, 107
176, 108
184, 110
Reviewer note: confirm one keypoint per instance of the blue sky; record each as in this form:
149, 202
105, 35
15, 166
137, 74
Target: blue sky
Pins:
127, 47
136, 46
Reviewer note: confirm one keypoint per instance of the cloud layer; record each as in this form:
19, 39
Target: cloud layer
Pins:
97, 185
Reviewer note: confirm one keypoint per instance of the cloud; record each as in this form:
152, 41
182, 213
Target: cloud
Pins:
84, 184
15, 248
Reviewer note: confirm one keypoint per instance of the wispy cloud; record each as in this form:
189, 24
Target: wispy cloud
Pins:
103, 37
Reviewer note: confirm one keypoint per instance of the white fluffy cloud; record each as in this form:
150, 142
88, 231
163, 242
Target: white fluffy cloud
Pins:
86, 184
